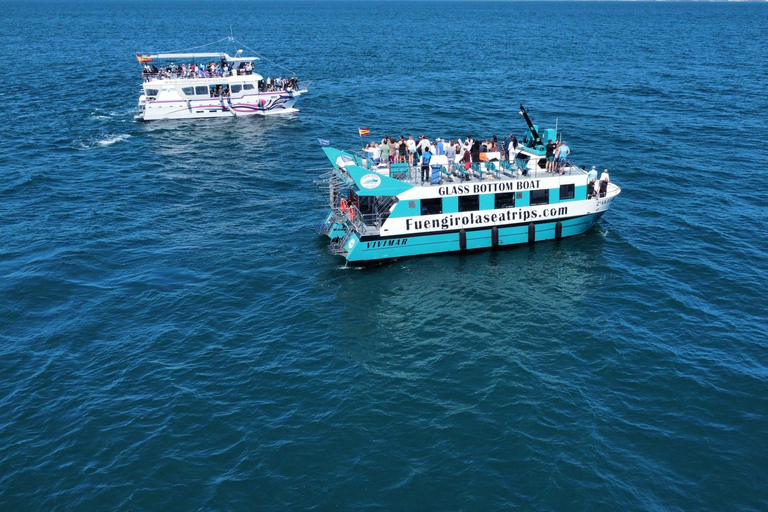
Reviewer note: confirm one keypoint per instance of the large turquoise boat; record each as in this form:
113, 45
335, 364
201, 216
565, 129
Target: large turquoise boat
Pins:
381, 212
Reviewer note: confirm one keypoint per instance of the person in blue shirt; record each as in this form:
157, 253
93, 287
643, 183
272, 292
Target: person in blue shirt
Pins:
562, 155
426, 156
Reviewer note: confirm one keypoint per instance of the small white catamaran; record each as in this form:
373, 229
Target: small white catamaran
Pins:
195, 84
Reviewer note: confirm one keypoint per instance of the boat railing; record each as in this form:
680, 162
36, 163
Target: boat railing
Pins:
287, 86
480, 171
612, 190
356, 219
331, 219
171, 75
374, 220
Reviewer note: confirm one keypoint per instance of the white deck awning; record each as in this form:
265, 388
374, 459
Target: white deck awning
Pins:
204, 55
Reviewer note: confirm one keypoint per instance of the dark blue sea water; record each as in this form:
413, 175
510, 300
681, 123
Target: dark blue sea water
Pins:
174, 336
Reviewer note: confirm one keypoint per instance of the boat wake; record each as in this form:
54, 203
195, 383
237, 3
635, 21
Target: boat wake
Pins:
106, 115
112, 140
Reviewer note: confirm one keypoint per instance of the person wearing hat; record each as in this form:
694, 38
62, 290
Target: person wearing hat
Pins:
439, 148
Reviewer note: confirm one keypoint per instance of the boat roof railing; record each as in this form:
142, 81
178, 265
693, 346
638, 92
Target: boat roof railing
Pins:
209, 55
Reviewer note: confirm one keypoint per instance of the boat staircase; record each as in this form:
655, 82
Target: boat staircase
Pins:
353, 223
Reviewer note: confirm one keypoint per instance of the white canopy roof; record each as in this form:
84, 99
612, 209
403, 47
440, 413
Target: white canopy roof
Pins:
181, 56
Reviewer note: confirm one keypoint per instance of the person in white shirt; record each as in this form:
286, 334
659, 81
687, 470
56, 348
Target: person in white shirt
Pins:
450, 154
512, 150
423, 144
411, 144
604, 181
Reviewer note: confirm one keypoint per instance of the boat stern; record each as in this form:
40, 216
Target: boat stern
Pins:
141, 108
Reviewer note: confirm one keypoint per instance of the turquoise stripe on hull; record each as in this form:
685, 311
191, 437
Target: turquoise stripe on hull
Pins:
373, 250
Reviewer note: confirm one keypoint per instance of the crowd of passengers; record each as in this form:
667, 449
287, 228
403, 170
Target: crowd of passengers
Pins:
392, 150
216, 69
192, 70
464, 153
268, 85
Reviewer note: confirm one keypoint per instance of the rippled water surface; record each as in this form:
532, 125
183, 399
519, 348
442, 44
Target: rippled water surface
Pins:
174, 336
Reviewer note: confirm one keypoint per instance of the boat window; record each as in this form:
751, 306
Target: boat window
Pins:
432, 206
469, 203
248, 87
152, 92
201, 89
540, 196
505, 200
236, 88
189, 91
567, 191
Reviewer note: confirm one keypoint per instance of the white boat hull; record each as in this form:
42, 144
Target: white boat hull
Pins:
266, 103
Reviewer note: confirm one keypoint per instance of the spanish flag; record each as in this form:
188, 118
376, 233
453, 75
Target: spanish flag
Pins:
363, 131
143, 59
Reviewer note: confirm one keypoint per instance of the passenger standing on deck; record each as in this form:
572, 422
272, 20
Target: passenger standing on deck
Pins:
450, 154
411, 149
505, 147
392, 150
475, 151
512, 149
439, 148
604, 181
467, 144
426, 157
562, 156
550, 155
384, 152
402, 150
466, 159
425, 144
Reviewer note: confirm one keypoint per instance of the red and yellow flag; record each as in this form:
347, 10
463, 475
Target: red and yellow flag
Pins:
143, 59
363, 131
